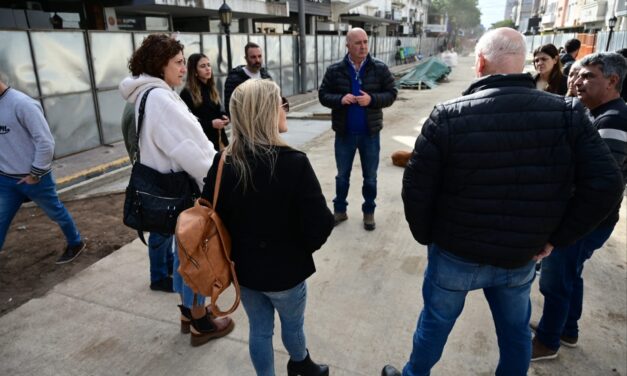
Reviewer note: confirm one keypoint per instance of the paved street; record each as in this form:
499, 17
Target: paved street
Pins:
362, 306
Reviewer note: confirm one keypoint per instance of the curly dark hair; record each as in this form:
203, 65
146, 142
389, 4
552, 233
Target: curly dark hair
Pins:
154, 53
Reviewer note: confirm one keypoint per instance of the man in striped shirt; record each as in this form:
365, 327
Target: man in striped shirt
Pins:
598, 84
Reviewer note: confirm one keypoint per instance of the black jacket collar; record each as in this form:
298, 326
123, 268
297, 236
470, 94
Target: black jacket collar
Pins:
367, 61
500, 80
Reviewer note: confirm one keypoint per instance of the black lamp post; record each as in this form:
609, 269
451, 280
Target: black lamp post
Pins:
610, 23
375, 29
226, 15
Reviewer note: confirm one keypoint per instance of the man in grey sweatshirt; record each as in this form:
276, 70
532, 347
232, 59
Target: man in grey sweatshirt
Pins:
26, 151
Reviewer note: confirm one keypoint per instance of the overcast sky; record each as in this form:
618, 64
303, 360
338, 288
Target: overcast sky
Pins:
491, 11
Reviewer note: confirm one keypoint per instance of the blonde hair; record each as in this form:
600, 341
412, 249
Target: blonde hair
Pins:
254, 108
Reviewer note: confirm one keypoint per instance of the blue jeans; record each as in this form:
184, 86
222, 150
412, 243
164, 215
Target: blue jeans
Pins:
447, 280
345, 148
160, 255
259, 307
186, 293
44, 194
562, 287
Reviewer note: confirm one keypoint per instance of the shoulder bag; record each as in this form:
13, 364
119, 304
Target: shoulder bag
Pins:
154, 200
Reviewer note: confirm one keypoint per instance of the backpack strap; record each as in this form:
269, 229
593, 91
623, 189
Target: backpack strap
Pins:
216, 189
216, 289
214, 294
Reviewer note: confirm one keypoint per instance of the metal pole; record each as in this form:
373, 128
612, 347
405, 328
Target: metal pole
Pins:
227, 30
302, 45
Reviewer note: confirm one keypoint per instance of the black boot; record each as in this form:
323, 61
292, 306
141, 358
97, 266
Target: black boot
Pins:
306, 367
186, 319
390, 371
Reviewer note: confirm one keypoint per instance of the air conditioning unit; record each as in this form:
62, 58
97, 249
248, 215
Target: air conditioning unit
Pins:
34, 5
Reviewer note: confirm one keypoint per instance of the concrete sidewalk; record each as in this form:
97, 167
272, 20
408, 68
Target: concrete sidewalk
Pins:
362, 306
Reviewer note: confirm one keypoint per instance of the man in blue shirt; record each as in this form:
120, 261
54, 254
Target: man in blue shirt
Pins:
357, 89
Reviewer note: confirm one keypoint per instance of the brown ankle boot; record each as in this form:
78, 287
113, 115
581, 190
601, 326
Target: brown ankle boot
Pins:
207, 328
186, 317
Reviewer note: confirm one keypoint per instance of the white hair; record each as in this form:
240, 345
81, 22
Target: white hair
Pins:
499, 44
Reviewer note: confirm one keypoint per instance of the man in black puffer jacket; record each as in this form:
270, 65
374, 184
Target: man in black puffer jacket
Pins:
239, 74
498, 177
356, 89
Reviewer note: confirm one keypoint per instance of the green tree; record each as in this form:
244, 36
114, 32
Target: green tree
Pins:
504, 23
463, 14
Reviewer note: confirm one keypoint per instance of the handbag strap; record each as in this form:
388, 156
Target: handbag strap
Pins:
140, 120
216, 189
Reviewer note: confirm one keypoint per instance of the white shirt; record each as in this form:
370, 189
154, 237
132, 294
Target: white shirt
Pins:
251, 74
171, 138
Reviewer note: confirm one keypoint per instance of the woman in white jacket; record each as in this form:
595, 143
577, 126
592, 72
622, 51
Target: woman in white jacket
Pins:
172, 140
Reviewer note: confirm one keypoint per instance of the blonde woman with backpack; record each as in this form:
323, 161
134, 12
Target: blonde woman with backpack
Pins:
271, 202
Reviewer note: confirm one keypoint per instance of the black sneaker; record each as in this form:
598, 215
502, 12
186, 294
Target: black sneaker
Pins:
71, 252
164, 285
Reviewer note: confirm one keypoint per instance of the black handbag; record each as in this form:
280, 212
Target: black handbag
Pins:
154, 200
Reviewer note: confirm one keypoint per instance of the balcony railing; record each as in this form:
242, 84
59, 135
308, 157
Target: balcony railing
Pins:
435, 28
593, 12
548, 19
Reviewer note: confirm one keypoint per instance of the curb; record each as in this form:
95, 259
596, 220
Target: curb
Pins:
78, 190
90, 173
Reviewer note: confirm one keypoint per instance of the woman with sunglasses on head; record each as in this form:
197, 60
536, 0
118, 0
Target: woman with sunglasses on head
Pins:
171, 140
549, 78
271, 202
202, 98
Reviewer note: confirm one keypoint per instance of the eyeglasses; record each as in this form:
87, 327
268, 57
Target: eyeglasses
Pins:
285, 104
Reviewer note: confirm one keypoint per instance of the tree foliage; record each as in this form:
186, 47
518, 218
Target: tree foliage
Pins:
504, 23
462, 13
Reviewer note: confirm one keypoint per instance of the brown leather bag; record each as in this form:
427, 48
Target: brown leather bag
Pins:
205, 250
401, 157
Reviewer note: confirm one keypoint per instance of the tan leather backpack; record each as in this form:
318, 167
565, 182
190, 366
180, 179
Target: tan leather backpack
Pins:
204, 247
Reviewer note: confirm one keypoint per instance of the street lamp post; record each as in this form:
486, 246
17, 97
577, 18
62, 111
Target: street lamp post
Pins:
610, 23
375, 28
226, 15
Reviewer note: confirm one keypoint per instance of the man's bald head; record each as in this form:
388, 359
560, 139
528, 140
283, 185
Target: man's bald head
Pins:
356, 32
357, 44
500, 51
